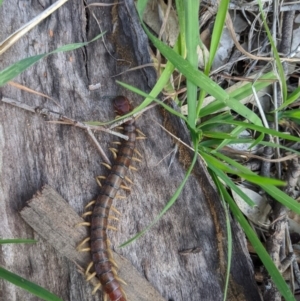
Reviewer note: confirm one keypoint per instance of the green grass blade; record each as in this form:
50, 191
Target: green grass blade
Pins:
12, 71
273, 191
148, 96
192, 42
218, 172
229, 233
28, 286
169, 204
140, 7
275, 52
17, 241
240, 93
217, 33
259, 248
260, 129
201, 80
182, 31
291, 98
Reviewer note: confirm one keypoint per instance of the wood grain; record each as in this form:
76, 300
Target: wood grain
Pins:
56, 221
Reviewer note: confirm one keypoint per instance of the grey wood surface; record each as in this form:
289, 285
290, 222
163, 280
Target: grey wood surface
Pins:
34, 152
54, 219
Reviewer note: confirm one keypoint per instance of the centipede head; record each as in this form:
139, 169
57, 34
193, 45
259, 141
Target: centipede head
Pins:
122, 105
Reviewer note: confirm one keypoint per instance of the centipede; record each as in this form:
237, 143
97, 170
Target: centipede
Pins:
99, 244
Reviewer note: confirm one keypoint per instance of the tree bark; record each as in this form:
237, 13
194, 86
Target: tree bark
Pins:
34, 152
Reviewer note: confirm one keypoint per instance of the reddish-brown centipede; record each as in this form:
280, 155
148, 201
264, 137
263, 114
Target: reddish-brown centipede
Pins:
99, 246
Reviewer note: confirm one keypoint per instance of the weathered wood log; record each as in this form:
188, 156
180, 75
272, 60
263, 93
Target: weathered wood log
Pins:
56, 221
34, 153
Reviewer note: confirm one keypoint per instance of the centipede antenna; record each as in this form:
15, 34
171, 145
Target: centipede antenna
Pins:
140, 132
121, 197
113, 217
138, 153
114, 152
91, 203
125, 187
83, 224
112, 228
128, 180
98, 286
106, 165
86, 214
91, 276
136, 159
117, 142
115, 210
83, 243
87, 271
132, 168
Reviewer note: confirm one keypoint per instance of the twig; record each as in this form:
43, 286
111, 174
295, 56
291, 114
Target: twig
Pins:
8, 42
61, 119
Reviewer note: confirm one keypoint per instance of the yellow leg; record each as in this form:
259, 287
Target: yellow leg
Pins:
87, 271
113, 217
85, 250
115, 210
132, 168
112, 228
106, 165
128, 180
125, 187
91, 203
83, 224
136, 159
114, 152
86, 214
98, 286
91, 276
138, 153
83, 243
140, 132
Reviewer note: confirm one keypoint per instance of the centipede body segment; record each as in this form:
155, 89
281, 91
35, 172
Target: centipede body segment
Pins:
103, 264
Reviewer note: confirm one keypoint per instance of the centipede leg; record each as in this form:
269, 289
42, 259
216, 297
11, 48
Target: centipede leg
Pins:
106, 165
114, 152
91, 276
79, 247
86, 214
87, 224
98, 180
91, 203
128, 180
140, 132
87, 271
138, 153
97, 287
